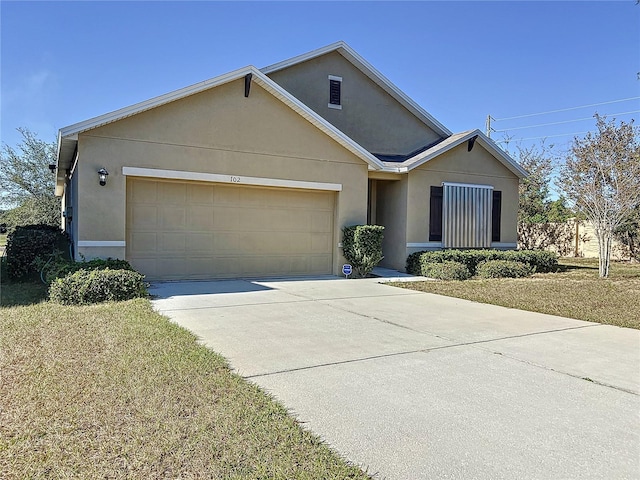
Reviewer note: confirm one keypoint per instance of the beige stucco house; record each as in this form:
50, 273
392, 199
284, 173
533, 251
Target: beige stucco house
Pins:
255, 172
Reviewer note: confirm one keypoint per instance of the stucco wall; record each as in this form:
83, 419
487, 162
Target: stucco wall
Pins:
369, 115
217, 131
458, 165
391, 211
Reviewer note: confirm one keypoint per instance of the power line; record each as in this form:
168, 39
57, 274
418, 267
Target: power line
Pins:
561, 122
565, 109
537, 138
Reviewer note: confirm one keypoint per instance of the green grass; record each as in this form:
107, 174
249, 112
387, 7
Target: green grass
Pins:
117, 391
575, 291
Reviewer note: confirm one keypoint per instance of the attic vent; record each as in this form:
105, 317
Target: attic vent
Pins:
335, 92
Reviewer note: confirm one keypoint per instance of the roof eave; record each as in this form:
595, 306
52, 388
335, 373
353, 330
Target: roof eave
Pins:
485, 141
68, 136
507, 160
317, 120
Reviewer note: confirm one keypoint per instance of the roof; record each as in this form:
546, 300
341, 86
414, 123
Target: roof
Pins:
365, 67
399, 158
68, 136
449, 143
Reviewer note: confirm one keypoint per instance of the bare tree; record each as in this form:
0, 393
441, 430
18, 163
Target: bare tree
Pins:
601, 176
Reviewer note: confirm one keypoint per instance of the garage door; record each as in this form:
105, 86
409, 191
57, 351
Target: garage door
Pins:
189, 230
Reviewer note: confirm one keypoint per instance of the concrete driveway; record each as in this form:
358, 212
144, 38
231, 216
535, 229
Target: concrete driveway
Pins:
411, 385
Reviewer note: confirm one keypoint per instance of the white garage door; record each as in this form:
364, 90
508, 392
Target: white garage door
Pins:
189, 230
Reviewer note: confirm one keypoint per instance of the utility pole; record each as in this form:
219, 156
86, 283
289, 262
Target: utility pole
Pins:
488, 124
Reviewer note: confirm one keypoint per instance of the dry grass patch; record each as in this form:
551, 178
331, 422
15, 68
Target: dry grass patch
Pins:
575, 292
117, 391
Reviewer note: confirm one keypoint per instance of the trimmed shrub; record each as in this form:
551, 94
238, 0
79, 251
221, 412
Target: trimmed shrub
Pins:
362, 247
94, 286
539, 260
31, 246
503, 269
446, 270
413, 263
63, 268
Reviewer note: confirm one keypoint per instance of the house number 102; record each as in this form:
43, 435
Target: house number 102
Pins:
235, 179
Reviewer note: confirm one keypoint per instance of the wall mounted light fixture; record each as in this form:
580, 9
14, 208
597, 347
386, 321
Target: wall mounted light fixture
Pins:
52, 167
103, 176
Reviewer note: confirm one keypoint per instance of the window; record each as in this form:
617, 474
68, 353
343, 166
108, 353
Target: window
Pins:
464, 216
335, 92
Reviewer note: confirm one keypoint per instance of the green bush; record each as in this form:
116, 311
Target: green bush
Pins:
503, 269
362, 247
538, 260
446, 270
413, 264
31, 246
93, 286
61, 268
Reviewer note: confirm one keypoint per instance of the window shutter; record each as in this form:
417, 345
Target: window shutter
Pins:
496, 211
466, 215
435, 215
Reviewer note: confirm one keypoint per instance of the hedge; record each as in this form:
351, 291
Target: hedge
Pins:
362, 247
539, 260
503, 269
31, 246
61, 269
93, 286
447, 270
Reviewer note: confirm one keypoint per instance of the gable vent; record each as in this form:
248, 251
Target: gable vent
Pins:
335, 92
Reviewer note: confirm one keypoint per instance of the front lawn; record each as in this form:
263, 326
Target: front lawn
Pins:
19, 293
27, 293
117, 391
575, 291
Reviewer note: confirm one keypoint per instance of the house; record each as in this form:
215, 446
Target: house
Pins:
255, 172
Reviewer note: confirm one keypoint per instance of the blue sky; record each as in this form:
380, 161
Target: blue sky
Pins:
64, 62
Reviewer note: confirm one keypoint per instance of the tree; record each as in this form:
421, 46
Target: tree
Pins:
33, 211
542, 222
27, 183
601, 176
534, 189
628, 233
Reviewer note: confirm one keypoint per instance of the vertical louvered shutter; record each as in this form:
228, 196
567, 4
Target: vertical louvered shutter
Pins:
466, 215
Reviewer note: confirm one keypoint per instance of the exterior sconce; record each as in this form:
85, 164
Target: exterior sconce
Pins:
103, 176
52, 167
